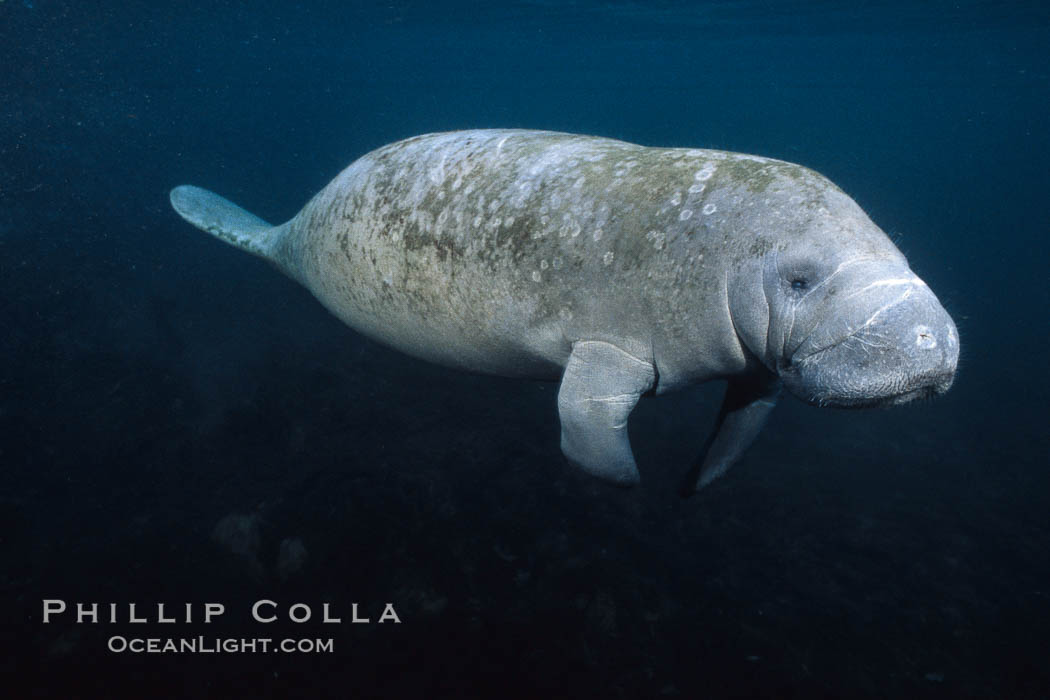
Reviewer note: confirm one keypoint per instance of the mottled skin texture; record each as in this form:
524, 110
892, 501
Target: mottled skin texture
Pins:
496, 250
619, 269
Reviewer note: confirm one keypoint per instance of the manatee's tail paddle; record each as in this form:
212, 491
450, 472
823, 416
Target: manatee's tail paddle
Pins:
224, 219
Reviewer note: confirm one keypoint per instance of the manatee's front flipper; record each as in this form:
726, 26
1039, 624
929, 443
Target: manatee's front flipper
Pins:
600, 387
746, 406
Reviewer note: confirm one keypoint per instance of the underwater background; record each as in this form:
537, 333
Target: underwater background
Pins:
180, 423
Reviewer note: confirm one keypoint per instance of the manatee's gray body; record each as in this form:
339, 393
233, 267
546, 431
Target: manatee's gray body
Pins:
620, 269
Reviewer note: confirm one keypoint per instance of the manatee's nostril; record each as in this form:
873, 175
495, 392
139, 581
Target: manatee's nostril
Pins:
924, 338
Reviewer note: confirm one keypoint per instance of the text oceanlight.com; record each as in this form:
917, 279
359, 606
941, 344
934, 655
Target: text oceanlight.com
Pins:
260, 612
216, 645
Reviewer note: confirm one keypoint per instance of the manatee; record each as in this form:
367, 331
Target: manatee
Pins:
619, 270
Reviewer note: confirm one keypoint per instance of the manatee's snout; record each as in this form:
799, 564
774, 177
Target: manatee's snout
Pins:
893, 343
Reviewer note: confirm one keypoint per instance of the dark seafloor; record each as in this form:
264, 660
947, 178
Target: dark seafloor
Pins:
179, 423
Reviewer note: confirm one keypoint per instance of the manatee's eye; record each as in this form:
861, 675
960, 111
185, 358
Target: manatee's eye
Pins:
799, 284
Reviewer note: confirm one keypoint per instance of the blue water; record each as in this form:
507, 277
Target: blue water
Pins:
175, 414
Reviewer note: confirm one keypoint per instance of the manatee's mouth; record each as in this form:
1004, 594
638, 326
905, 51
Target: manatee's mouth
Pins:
922, 393
858, 391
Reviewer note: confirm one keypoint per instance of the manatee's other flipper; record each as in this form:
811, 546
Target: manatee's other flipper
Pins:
601, 386
747, 403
